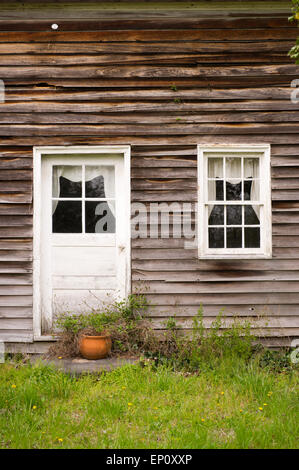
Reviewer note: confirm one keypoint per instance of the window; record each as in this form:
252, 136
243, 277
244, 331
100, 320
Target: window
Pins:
83, 208
234, 201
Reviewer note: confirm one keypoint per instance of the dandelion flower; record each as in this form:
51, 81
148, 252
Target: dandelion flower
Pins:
260, 408
241, 411
59, 357
203, 420
13, 386
265, 404
34, 407
130, 404
222, 393
59, 439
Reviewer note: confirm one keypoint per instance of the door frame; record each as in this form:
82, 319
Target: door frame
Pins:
39, 153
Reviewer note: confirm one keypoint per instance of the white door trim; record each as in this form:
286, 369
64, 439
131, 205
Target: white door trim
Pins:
38, 154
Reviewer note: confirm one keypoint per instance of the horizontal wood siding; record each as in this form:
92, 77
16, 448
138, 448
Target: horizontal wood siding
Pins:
162, 86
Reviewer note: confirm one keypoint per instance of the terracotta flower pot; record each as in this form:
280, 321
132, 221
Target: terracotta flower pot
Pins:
95, 347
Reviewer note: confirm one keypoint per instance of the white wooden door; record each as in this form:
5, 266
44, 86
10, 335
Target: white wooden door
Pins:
83, 225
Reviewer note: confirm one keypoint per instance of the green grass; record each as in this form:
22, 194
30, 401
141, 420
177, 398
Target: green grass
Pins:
135, 407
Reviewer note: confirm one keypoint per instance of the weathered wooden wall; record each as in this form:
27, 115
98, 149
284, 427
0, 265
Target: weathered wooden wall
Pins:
161, 84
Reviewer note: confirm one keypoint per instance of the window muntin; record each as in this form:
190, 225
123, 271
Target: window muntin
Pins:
234, 202
83, 199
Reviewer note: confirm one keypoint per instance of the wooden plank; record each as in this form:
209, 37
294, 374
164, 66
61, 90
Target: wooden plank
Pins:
15, 268
147, 82
17, 255
150, 23
215, 265
233, 287
15, 175
213, 276
286, 217
142, 9
16, 279
281, 195
15, 301
41, 72
214, 139
265, 312
128, 130
15, 163
285, 183
226, 300
15, 312
37, 347
141, 118
257, 57
124, 107
261, 93
14, 198
12, 336
15, 220
149, 47
120, 35
15, 209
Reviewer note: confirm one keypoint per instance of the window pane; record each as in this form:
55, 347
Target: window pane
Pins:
234, 215
67, 181
251, 168
99, 217
233, 167
216, 238
215, 190
215, 167
67, 217
233, 191
99, 181
216, 215
234, 237
252, 237
252, 215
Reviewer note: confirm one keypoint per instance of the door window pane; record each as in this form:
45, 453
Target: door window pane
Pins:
99, 181
67, 181
67, 217
99, 217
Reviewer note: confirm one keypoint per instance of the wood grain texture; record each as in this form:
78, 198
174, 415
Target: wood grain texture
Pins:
161, 81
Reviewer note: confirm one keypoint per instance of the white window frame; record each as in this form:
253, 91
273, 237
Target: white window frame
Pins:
124, 240
265, 250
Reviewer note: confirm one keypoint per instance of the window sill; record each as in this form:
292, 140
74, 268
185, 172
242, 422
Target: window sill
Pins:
235, 256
